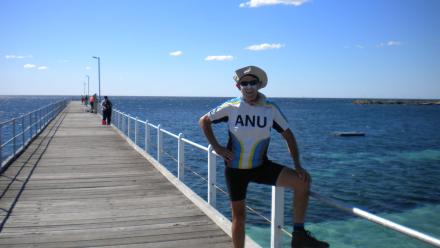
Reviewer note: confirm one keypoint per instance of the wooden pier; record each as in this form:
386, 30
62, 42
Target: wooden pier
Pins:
80, 184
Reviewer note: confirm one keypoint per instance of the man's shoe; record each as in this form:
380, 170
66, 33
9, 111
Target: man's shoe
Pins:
304, 239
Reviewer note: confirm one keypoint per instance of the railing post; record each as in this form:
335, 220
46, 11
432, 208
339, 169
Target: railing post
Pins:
136, 130
22, 131
180, 158
128, 127
13, 136
38, 120
277, 220
31, 132
41, 119
1, 145
211, 177
44, 117
35, 125
125, 124
122, 123
147, 136
116, 115
159, 144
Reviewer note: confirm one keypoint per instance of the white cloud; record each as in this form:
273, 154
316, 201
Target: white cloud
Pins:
88, 67
264, 46
360, 46
260, 3
42, 67
220, 58
390, 43
29, 66
13, 56
176, 53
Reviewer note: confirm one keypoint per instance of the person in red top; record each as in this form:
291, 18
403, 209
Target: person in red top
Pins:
250, 119
92, 103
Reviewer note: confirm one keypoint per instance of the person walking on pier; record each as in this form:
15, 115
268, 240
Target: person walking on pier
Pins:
106, 111
250, 119
92, 103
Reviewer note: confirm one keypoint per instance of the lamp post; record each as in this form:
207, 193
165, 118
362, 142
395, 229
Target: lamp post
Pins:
88, 85
99, 77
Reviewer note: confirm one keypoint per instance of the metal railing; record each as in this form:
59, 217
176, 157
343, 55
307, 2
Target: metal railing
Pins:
122, 122
20, 131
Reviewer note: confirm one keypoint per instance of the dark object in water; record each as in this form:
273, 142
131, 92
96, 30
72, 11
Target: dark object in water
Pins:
349, 134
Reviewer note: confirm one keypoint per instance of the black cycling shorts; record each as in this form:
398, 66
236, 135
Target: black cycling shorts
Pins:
237, 180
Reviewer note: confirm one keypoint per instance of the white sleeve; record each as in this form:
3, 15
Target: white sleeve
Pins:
220, 113
279, 120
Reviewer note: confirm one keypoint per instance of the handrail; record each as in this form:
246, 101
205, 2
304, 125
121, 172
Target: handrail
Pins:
24, 129
169, 133
195, 144
277, 219
378, 220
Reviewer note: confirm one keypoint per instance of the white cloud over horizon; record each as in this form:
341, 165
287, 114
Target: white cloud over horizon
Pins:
88, 68
29, 66
176, 53
264, 46
260, 3
219, 58
13, 56
390, 43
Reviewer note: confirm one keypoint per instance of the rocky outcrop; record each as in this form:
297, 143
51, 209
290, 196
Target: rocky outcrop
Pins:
397, 101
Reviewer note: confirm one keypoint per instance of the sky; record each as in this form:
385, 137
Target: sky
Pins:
308, 48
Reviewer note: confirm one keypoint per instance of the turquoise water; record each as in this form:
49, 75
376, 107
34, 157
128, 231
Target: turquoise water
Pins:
394, 171
355, 232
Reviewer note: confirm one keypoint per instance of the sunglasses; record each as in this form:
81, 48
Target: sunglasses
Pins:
250, 83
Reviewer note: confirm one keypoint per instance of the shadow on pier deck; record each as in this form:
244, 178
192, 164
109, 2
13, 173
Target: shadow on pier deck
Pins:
79, 184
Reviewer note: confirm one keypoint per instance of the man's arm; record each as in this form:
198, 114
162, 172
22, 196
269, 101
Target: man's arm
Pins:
294, 153
206, 125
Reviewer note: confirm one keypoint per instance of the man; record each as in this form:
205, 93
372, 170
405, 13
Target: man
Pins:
106, 111
250, 119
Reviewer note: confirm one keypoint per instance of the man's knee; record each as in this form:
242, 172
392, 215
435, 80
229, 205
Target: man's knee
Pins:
239, 214
290, 179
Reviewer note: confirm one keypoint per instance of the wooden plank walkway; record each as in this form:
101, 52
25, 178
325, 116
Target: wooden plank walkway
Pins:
79, 184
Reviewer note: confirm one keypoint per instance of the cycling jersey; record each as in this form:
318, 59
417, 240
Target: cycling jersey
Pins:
249, 129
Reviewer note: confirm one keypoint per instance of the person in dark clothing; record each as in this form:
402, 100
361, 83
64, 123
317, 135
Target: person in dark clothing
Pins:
106, 111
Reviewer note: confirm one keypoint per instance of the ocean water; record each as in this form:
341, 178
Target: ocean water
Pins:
394, 171
14, 106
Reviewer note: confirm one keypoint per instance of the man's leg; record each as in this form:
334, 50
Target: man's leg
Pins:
301, 238
109, 117
238, 223
289, 179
